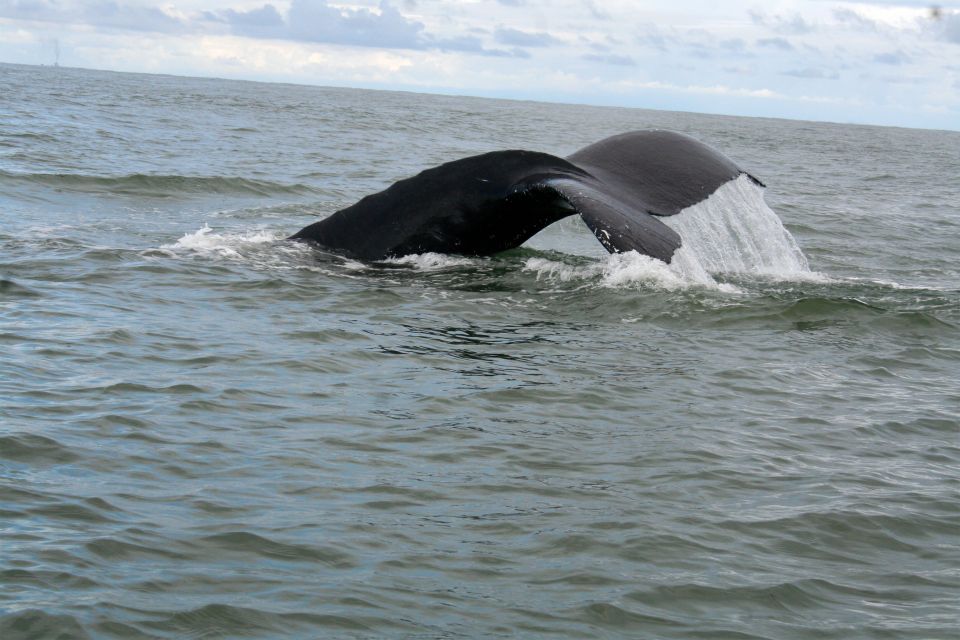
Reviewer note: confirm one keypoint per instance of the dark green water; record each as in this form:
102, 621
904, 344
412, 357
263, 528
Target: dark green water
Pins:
206, 431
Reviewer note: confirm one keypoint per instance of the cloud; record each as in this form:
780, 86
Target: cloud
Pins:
610, 58
718, 89
265, 22
596, 11
948, 27
317, 21
892, 58
473, 44
654, 39
812, 73
853, 19
788, 25
775, 43
102, 13
735, 45
514, 37
313, 21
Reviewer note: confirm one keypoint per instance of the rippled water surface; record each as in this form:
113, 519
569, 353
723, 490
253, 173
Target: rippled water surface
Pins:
207, 431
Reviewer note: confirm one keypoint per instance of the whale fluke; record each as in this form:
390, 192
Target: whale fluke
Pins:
485, 204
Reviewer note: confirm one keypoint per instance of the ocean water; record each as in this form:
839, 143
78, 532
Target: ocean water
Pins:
208, 431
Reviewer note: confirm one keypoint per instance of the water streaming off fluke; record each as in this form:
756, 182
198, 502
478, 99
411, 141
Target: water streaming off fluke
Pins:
735, 232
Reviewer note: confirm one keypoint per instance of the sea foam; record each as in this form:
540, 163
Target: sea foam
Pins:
205, 241
431, 261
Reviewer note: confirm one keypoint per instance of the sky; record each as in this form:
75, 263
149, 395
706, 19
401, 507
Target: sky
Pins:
882, 62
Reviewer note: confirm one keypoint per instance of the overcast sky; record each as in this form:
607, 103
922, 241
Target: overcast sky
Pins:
883, 62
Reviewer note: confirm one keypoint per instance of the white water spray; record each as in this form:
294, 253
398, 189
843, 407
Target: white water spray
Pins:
734, 231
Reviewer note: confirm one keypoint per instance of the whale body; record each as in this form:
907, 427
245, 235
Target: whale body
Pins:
485, 204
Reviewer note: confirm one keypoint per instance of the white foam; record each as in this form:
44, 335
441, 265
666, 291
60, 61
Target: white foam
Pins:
228, 245
431, 261
621, 270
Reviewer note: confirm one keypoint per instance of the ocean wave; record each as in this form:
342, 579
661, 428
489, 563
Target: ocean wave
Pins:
35, 623
32, 448
156, 186
10, 289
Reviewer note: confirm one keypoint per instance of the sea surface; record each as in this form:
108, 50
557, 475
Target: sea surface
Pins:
207, 431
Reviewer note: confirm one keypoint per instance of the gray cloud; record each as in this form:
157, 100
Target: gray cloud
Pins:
610, 58
892, 58
596, 11
948, 27
460, 43
735, 45
903, 80
775, 43
517, 38
853, 19
509, 53
812, 74
304, 21
317, 21
265, 22
655, 39
788, 25
103, 13
473, 44
698, 43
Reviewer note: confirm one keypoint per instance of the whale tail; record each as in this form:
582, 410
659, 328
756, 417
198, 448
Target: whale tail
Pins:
492, 202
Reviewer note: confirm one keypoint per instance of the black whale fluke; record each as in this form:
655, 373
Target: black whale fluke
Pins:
492, 202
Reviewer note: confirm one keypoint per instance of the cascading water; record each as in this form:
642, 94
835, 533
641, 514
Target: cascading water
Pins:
731, 232
734, 231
